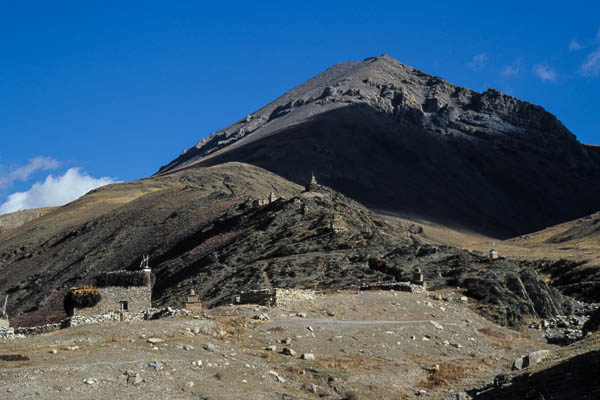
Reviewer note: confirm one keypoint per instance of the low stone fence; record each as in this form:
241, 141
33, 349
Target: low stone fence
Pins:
38, 330
108, 317
8, 333
11, 333
275, 296
397, 286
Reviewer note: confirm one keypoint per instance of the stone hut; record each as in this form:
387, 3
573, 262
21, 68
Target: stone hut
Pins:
112, 292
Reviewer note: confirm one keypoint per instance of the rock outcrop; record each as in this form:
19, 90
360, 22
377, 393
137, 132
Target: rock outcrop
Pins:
593, 324
573, 378
504, 290
14, 220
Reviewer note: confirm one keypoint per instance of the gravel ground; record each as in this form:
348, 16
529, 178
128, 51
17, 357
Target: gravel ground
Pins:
367, 345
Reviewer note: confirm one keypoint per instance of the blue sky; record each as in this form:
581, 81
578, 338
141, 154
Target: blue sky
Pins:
113, 90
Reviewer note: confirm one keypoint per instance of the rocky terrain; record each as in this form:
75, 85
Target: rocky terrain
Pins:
399, 140
341, 345
568, 373
567, 255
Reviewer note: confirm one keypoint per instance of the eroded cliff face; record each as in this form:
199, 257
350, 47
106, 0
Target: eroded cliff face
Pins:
403, 141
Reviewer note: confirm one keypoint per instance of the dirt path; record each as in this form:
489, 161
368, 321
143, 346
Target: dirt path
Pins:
338, 323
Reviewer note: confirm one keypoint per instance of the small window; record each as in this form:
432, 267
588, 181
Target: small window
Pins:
124, 306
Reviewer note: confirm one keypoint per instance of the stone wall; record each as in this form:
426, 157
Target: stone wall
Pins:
396, 286
38, 330
139, 299
9, 334
276, 296
101, 318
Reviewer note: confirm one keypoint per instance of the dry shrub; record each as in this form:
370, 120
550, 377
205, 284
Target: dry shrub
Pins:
353, 362
294, 370
123, 279
504, 341
231, 327
447, 373
277, 329
219, 376
490, 332
351, 396
118, 338
13, 357
81, 297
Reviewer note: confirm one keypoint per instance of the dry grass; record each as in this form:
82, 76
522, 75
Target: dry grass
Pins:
490, 332
446, 373
503, 341
354, 362
231, 327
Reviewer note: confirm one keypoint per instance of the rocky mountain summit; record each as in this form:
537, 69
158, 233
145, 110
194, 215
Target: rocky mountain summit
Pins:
400, 140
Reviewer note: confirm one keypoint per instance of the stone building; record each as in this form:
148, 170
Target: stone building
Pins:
112, 292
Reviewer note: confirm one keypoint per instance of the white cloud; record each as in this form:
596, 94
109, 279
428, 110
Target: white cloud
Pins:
544, 72
54, 191
478, 62
591, 66
574, 45
23, 173
513, 69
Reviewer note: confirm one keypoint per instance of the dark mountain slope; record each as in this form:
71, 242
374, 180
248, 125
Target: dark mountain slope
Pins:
400, 140
207, 229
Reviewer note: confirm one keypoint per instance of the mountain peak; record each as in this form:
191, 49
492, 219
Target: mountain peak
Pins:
395, 89
401, 140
